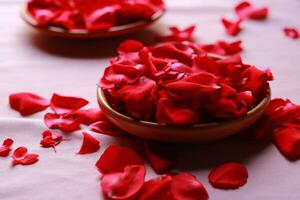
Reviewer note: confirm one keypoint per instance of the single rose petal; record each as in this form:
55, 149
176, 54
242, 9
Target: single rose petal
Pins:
180, 35
186, 186
50, 139
161, 156
231, 47
89, 116
130, 46
107, 128
246, 10
89, 144
232, 27
115, 158
125, 184
100, 19
287, 140
28, 103
291, 32
229, 175
20, 156
64, 123
6, 147
65, 104
157, 189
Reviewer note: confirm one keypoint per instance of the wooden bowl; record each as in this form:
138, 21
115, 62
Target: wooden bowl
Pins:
85, 34
200, 133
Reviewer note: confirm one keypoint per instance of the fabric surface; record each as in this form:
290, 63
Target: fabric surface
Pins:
30, 61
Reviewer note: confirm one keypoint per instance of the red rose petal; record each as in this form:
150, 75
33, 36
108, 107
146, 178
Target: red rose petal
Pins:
107, 128
130, 46
161, 156
6, 147
180, 35
89, 116
27, 103
291, 32
287, 140
157, 189
245, 10
64, 104
89, 144
100, 19
185, 186
64, 123
232, 27
228, 176
125, 184
112, 160
50, 139
222, 47
21, 157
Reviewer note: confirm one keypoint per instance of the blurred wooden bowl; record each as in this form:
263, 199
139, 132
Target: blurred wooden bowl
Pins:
85, 34
200, 133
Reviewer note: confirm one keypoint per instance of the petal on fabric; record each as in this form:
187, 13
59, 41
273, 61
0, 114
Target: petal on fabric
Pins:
125, 184
291, 32
20, 157
89, 144
188, 187
6, 147
246, 10
112, 160
64, 123
107, 128
66, 104
89, 116
178, 35
287, 141
50, 139
229, 175
232, 27
27, 103
157, 189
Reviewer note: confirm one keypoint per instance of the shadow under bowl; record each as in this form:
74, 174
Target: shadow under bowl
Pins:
85, 34
199, 133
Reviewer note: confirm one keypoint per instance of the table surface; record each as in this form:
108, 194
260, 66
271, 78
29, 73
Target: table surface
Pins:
33, 62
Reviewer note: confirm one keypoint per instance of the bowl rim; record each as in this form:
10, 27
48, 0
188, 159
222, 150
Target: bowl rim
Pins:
28, 18
102, 100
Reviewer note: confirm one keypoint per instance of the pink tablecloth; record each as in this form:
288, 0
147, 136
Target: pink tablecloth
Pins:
33, 62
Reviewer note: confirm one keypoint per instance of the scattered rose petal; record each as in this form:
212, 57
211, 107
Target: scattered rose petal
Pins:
28, 103
89, 144
89, 116
180, 35
64, 123
64, 104
287, 140
125, 184
21, 157
113, 159
246, 10
291, 32
6, 147
232, 27
50, 139
107, 128
157, 189
161, 156
186, 186
228, 176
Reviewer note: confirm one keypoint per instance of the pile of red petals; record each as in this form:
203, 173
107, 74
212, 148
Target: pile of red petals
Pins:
244, 10
92, 15
125, 179
178, 83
